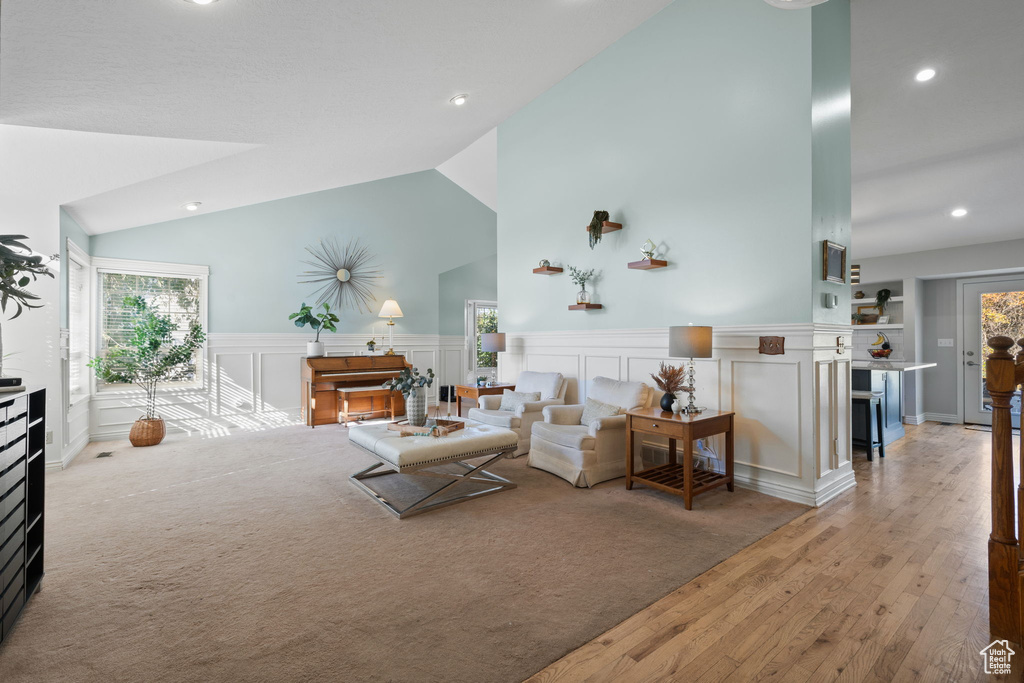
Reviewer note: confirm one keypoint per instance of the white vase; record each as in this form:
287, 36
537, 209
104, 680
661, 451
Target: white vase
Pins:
677, 406
314, 349
416, 407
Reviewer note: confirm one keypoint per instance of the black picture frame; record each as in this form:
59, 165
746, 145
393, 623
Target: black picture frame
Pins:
833, 262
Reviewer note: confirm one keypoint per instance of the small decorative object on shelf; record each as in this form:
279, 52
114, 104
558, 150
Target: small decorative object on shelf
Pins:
670, 380
866, 317
371, 345
544, 263
859, 294
596, 227
772, 346
647, 250
580, 278
885, 348
411, 383
319, 322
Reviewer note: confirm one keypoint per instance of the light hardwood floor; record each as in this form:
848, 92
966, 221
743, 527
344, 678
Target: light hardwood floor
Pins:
886, 583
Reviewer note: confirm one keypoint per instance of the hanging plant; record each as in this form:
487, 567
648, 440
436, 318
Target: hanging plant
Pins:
881, 299
596, 227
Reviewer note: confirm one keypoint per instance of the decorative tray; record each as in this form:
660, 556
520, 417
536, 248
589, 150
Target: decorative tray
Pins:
438, 427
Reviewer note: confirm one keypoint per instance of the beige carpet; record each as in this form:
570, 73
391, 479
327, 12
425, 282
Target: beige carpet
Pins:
253, 558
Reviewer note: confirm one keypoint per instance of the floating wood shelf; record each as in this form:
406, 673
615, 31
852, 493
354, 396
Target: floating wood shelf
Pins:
648, 264
607, 227
547, 270
584, 307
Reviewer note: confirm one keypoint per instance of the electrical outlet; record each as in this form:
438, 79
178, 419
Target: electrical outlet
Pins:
49, 436
946, 342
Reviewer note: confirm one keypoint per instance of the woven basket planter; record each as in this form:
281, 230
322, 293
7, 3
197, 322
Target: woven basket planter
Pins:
147, 432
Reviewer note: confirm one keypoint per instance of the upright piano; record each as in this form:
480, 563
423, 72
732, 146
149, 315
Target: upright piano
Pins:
339, 388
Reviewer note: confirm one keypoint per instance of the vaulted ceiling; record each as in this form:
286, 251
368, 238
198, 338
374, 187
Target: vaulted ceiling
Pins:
253, 100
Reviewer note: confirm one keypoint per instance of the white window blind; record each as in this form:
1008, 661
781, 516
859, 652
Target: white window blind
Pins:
78, 327
178, 297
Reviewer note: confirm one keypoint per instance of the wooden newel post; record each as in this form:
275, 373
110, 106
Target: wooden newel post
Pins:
1004, 575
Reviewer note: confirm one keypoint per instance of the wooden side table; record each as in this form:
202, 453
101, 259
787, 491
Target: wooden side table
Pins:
680, 479
474, 392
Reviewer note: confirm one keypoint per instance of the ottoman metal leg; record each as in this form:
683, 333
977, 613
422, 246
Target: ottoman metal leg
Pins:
474, 473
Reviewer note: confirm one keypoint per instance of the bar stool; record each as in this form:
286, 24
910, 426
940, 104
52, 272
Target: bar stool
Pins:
872, 399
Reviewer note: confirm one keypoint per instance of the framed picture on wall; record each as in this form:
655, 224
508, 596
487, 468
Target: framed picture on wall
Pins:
833, 262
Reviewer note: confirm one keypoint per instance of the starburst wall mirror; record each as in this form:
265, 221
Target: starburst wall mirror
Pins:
346, 275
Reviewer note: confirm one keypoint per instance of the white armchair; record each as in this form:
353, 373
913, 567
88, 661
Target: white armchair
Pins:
551, 387
585, 455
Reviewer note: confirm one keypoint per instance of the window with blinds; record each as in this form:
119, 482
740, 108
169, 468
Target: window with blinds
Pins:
177, 297
78, 327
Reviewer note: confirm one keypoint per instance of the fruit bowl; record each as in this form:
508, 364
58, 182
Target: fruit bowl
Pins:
879, 353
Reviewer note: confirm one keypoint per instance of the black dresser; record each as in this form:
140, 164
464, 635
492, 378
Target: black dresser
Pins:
22, 475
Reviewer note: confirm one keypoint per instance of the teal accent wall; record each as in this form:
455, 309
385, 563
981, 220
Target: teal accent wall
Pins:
477, 280
69, 229
693, 130
418, 225
830, 150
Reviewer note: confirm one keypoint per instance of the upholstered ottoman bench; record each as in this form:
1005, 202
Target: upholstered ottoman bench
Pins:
429, 456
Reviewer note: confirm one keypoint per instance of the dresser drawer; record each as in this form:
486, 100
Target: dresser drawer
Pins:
9, 549
12, 579
13, 476
664, 427
13, 451
17, 602
18, 406
12, 500
16, 428
8, 526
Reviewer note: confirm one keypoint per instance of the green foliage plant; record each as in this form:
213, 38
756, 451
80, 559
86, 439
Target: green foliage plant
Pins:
409, 380
150, 355
318, 321
19, 267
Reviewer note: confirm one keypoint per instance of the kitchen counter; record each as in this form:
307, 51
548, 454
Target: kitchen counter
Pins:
891, 365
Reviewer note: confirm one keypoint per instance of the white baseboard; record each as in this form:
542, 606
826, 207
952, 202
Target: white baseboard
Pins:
70, 454
942, 417
914, 419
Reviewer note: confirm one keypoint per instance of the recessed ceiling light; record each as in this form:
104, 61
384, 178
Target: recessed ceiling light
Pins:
459, 100
924, 75
958, 212
192, 206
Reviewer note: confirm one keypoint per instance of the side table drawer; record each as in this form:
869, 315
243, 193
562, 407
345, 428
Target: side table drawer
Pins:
466, 392
666, 428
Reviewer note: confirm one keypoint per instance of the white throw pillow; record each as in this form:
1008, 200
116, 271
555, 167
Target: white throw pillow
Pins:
595, 409
512, 401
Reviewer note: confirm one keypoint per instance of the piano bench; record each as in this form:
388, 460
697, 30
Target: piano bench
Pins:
380, 400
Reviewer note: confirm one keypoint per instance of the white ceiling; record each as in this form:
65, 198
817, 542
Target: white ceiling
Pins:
922, 149
326, 93
244, 101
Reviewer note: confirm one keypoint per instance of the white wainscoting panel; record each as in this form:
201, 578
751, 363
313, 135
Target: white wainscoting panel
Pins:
785, 415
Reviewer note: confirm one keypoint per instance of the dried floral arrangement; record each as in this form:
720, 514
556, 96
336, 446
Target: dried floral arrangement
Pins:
670, 379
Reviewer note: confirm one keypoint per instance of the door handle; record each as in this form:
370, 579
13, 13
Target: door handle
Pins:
971, 362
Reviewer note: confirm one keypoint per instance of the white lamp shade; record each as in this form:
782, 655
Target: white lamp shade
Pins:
690, 341
492, 342
390, 309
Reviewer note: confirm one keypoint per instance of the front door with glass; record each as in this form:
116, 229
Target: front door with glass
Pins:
991, 307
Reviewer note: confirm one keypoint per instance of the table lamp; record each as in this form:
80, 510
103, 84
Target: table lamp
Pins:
390, 310
492, 342
690, 341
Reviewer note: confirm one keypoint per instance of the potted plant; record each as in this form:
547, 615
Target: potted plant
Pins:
150, 356
671, 380
319, 322
409, 382
18, 268
857, 318
595, 230
580, 278
882, 297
